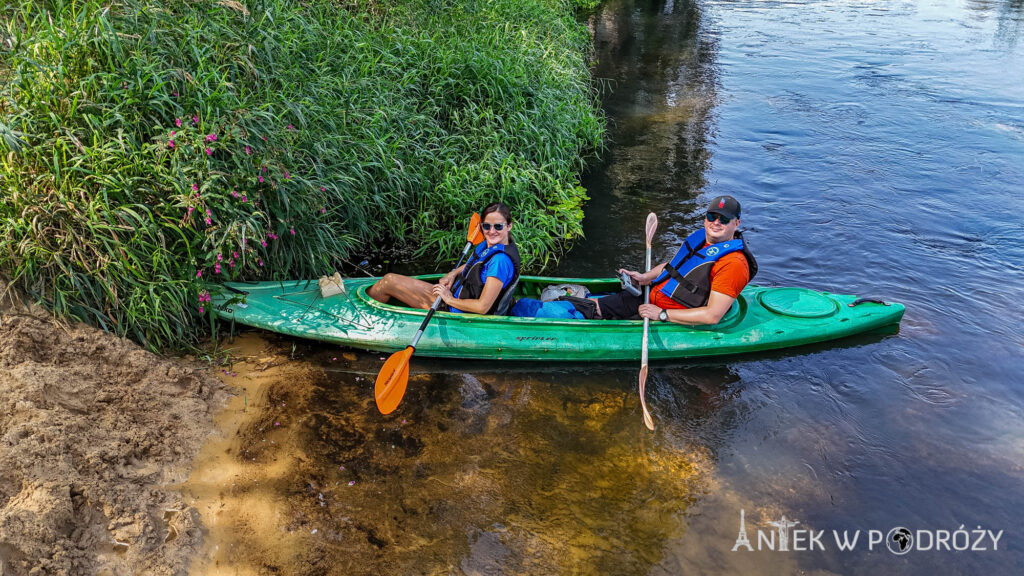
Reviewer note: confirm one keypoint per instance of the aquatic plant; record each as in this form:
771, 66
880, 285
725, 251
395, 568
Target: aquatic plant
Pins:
151, 149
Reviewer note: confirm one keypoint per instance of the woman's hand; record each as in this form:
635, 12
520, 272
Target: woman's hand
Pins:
442, 291
447, 280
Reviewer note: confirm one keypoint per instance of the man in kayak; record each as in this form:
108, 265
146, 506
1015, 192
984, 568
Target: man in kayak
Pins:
480, 286
700, 283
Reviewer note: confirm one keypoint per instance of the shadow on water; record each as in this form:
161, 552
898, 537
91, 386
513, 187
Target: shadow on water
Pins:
487, 472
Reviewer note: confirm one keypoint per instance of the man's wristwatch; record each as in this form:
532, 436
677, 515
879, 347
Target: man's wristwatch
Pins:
663, 316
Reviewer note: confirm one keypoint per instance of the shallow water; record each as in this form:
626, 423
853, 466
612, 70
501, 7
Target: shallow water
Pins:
878, 149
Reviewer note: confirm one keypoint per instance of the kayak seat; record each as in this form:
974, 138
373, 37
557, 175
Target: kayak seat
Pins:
507, 299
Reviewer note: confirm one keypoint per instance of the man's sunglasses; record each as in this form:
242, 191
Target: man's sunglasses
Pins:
711, 216
487, 227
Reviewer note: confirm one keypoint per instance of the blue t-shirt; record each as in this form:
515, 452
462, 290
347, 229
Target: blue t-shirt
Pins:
497, 267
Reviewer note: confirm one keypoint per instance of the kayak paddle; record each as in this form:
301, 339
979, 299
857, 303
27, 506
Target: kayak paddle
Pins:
652, 225
394, 376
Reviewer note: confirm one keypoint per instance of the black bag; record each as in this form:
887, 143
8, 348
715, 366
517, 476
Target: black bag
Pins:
584, 306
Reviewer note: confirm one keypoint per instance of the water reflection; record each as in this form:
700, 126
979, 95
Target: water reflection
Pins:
1009, 15
659, 65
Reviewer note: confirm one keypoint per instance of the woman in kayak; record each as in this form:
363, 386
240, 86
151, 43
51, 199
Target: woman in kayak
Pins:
479, 286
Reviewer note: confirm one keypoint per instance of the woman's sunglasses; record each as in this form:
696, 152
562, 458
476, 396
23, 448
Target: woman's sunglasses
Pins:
487, 227
712, 216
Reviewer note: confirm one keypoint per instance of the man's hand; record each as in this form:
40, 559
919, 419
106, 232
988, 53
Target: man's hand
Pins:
649, 311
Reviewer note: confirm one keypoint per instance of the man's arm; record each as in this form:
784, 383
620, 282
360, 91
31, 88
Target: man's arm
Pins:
711, 313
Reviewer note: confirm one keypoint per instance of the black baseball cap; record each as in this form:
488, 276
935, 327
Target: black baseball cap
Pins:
726, 206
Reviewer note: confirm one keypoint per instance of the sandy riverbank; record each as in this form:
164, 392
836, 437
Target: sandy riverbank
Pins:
95, 431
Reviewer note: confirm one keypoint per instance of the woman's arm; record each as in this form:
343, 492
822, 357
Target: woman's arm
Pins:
448, 279
481, 305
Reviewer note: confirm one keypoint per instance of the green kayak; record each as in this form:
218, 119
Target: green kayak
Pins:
762, 318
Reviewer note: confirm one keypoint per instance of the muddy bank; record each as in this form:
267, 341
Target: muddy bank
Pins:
94, 430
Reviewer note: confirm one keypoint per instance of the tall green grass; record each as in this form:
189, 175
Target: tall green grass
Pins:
150, 149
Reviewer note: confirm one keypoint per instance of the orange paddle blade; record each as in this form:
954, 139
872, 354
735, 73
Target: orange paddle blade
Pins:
475, 235
392, 380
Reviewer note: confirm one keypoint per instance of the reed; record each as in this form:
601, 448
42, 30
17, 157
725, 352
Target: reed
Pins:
151, 149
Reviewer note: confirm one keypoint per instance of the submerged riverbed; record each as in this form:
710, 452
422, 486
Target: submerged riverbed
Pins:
877, 149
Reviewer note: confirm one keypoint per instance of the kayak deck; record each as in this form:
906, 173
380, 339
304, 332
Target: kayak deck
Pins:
762, 318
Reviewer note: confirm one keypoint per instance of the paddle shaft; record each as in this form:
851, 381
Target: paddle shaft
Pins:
651, 227
437, 302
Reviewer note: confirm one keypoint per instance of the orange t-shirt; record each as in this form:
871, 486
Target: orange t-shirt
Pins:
729, 275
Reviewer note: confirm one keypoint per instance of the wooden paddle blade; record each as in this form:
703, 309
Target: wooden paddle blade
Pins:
475, 235
392, 381
652, 226
648, 421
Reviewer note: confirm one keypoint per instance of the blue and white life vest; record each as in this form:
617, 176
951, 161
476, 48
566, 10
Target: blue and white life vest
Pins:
469, 285
689, 271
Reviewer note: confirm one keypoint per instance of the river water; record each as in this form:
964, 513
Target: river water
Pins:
877, 149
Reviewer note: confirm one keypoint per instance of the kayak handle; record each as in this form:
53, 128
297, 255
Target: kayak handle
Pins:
235, 290
860, 301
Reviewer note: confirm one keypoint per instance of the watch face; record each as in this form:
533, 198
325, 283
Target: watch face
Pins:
663, 316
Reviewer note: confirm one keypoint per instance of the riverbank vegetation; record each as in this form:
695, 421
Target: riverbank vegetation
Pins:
150, 149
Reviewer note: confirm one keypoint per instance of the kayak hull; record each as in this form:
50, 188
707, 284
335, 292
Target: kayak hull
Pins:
762, 318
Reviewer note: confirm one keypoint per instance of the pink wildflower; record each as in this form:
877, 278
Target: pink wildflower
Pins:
175, 93
195, 119
287, 175
261, 179
216, 268
211, 137
201, 310
220, 258
195, 187
322, 189
235, 194
244, 199
209, 152
263, 243
209, 222
170, 144
199, 273
234, 255
173, 132
323, 210
290, 127
260, 262
264, 138
264, 169
248, 151
292, 231
177, 122
190, 210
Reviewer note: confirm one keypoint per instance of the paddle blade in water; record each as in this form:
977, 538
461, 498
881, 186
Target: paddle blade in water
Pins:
392, 380
648, 421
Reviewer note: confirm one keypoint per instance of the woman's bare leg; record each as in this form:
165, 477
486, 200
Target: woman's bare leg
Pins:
415, 293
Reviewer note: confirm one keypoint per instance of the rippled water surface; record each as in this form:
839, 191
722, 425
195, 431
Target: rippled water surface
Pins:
878, 149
